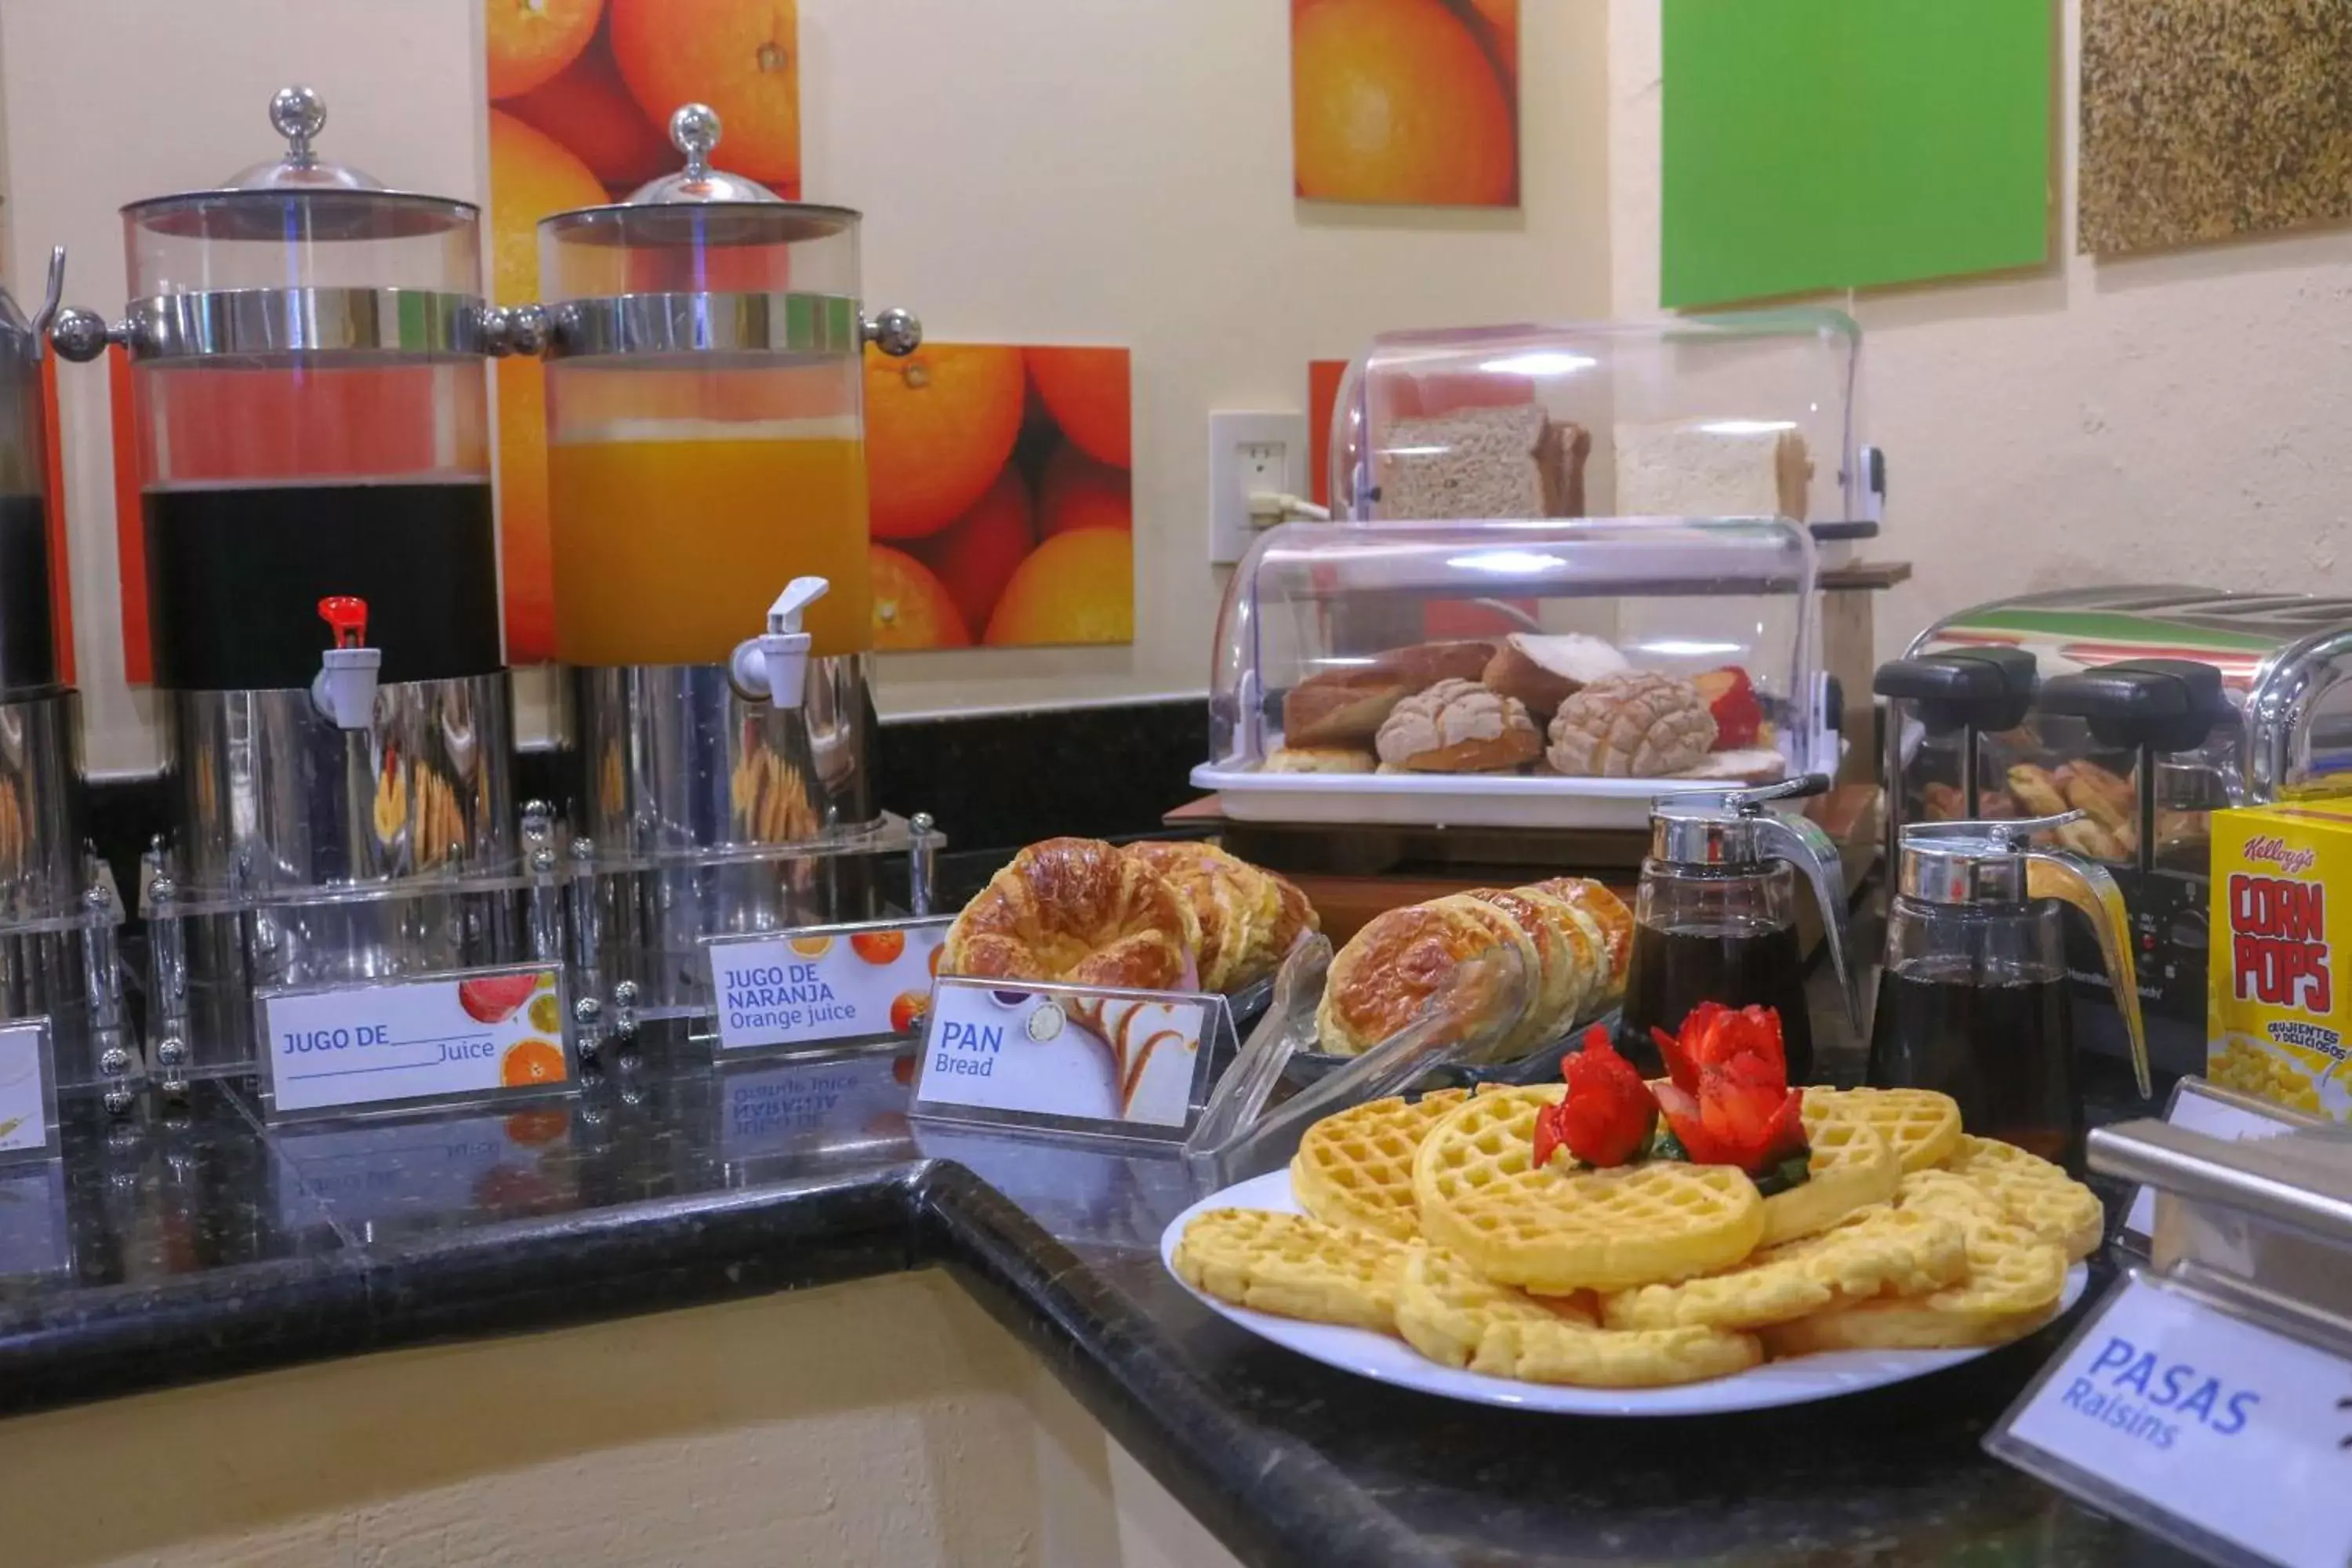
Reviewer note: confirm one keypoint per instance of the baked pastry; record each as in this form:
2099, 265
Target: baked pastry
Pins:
1749, 765
1320, 760
1608, 913
1458, 727
1248, 918
1077, 911
1715, 468
1639, 726
1344, 707
1568, 964
1383, 976
1509, 461
1544, 671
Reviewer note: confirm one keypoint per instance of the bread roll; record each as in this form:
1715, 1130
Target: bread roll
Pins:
1345, 705
1320, 760
1641, 726
1388, 971
1545, 671
1458, 727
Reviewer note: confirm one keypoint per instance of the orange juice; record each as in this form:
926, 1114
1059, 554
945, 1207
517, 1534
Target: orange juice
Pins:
668, 550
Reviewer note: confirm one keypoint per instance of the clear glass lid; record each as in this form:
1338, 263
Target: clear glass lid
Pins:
1621, 649
1736, 415
701, 261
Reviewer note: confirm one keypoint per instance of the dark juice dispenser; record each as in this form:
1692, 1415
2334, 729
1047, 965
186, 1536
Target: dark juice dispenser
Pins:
59, 908
309, 402
1715, 915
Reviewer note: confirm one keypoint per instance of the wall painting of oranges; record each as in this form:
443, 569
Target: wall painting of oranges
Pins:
1001, 498
581, 94
1405, 101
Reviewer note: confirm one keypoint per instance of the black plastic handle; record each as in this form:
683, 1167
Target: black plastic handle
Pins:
2164, 704
1985, 688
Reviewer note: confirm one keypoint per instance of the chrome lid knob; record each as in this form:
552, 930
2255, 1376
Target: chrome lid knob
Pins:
299, 114
694, 130
895, 331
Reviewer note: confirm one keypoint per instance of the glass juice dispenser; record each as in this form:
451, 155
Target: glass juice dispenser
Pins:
706, 479
306, 355
59, 908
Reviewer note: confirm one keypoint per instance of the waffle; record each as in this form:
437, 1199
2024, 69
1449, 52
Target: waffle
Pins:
2013, 1284
1882, 1250
2034, 1192
1453, 1316
1923, 1125
1851, 1168
1356, 1168
1563, 1228
1293, 1266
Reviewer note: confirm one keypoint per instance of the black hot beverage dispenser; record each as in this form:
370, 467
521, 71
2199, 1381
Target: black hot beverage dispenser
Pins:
1715, 918
1973, 1001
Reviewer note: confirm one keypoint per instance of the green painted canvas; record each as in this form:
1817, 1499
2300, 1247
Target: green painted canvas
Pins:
1813, 144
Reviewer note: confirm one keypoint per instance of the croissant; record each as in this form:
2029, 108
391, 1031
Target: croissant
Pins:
1080, 911
1248, 918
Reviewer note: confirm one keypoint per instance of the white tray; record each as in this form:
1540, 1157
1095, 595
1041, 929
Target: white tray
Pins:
1440, 800
1386, 1359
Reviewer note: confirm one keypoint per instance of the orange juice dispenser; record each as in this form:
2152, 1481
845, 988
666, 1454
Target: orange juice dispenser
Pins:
708, 517
312, 468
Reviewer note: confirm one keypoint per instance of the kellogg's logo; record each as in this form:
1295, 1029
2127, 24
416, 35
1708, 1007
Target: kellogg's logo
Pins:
2269, 849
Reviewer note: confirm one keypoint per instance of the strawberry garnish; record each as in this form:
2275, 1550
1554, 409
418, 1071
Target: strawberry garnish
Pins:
1729, 1102
1608, 1114
1730, 696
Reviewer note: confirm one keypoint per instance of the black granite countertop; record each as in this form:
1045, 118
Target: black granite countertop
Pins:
195, 1243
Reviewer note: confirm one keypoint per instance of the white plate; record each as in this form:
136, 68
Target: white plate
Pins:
1387, 1360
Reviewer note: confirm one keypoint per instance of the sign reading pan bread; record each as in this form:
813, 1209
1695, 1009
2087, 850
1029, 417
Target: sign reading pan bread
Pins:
1066, 1057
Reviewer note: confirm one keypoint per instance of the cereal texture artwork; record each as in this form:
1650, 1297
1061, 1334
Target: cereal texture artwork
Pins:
2205, 119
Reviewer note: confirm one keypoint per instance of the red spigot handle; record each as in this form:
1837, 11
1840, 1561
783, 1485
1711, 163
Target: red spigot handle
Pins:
347, 617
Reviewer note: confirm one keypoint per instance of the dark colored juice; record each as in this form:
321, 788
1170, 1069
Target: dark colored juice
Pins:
2006, 1052
1673, 972
29, 644
235, 574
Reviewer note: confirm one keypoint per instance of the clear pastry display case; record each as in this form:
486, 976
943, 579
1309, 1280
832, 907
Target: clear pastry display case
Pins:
1748, 414
1500, 672
2146, 707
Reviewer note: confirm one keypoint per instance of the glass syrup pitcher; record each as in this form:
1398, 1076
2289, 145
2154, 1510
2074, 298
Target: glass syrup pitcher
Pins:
1974, 998
1715, 916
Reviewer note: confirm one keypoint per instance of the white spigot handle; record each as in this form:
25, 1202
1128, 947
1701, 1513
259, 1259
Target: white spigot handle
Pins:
344, 687
776, 661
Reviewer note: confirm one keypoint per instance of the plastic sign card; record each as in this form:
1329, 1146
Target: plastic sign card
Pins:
2196, 1425
2201, 1108
1127, 1064
837, 984
484, 1034
28, 1090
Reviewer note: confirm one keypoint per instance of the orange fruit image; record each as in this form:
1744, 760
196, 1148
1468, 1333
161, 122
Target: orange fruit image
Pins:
530, 176
1077, 492
588, 109
976, 555
908, 1012
1086, 392
531, 1061
939, 426
811, 946
530, 41
1077, 587
912, 608
1394, 100
1502, 18
532, 1128
879, 946
742, 57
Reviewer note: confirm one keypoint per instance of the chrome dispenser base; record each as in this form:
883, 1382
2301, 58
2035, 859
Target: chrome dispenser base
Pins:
272, 797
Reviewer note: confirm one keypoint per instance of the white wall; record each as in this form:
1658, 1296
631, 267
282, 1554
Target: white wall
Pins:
1076, 171
2176, 417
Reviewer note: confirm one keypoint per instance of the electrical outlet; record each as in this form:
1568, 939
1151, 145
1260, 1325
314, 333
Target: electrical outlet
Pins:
1250, 452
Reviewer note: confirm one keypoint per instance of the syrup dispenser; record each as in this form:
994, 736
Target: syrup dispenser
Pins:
1973, 1002
1716, 919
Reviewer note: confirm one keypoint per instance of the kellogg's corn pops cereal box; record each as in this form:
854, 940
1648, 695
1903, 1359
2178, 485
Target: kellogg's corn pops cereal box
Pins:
2276, 1018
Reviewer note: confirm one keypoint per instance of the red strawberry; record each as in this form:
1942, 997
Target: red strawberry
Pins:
1608, 1114
1730, 696
1713, 1034
494, 998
